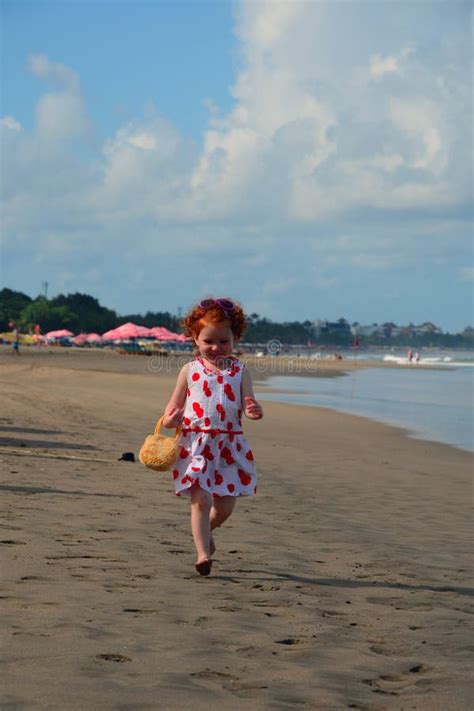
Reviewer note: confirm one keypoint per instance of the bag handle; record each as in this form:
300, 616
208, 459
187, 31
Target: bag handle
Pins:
158, 428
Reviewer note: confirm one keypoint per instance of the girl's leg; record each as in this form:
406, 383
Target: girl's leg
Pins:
201, 503
222, 507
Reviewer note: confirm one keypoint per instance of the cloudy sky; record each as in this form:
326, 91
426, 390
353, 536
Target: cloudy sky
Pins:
311, 159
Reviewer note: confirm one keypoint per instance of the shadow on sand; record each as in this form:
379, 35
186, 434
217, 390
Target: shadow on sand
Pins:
47, 490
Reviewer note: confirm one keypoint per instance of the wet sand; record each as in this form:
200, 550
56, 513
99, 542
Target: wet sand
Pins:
345, 583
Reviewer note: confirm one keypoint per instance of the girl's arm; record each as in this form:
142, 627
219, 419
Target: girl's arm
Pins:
252, 408
175, 408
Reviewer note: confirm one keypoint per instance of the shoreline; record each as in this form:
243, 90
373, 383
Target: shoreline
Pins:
412, 430
403, 430
344, 583
261, 368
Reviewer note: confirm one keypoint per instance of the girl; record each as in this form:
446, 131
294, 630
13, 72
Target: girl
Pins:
215, 463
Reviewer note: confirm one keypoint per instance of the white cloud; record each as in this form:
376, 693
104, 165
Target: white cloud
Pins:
143, 140
388, 163
343, 113
420, 121
10, 124
263, 25
144, 171
41, 66
382, 65
60, 117
305, 140
310, 137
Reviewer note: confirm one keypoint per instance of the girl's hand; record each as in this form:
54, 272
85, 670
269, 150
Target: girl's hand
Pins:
173, 416
252, 409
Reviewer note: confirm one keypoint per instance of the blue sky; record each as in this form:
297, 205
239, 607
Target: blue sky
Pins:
311, 159
128, 55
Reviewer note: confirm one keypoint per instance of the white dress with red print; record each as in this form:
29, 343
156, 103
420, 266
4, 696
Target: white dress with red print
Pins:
214, 451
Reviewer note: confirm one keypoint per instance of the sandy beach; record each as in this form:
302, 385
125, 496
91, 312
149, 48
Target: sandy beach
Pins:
345, 583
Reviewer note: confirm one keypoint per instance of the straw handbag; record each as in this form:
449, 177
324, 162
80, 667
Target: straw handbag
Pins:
159, 452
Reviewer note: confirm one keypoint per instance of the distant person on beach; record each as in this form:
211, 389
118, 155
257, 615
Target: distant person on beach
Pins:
216, 464
16, 341
417, 357
410, 356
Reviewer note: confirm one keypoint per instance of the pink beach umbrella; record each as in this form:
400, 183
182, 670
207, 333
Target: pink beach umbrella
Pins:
180, 337
112, 335
158, 332
163, 334
62, 333
80, 339
86, 338
144, 332
130, 330
126, 331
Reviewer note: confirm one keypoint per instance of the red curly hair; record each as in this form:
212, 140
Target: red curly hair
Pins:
198, 317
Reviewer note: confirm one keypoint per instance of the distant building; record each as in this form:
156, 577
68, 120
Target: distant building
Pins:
425, 328
365, 330
332, 327
385, 330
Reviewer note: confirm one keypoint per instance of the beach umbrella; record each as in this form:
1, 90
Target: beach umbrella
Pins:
163, 334
80, 339
132, 330
144, 332
111, 335
126, 331
158, 332
62, 333
86, 338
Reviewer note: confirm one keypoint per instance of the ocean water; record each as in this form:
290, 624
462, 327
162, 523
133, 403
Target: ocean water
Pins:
433, 404
443, 358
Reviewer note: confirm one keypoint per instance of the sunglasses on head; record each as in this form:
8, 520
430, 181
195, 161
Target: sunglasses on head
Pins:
225, 304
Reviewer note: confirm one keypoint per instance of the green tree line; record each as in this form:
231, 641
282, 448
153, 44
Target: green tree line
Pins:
76, 312
83, 313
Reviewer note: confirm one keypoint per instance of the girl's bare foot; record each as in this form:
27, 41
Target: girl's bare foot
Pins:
203, 567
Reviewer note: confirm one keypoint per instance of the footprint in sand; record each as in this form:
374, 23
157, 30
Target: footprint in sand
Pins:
387, 651
395, 684
228, 681
120, 658
139, 611
210, 674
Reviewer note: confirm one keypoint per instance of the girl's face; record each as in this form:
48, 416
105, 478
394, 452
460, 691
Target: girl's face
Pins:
215, 341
